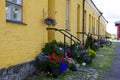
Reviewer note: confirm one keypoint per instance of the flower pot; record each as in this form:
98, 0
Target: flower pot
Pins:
63, 67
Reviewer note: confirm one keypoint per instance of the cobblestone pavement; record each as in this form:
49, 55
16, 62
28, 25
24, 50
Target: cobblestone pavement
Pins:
113, 73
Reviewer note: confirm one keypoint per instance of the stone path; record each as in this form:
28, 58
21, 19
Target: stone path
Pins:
113, 73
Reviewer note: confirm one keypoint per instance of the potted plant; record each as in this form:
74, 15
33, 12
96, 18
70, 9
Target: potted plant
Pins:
54, 64
57, 64
52, 47
50, 21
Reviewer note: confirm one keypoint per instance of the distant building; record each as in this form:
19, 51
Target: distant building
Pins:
118, 29
108, 34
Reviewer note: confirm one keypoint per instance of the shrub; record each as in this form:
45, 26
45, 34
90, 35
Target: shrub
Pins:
88, 41
83, 56
91, 52
41, 62
52, 47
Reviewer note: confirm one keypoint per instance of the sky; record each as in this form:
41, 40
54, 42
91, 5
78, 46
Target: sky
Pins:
111, 12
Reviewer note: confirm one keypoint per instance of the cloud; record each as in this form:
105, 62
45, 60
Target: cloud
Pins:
111, 12
110, 8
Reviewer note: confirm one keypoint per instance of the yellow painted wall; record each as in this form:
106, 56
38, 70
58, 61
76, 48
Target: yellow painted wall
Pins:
94, 16
20, 43
102, 27
60, 15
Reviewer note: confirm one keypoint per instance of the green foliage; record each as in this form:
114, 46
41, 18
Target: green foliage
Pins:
41, 65
83, 56
91, 52
74, 50
108, 37
52, 47
104, 57
41, 62
61, 44
88, 41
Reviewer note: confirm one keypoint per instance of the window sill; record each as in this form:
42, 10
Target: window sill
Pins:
16, 22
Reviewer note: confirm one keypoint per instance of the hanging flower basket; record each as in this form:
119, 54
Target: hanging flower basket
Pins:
50, 21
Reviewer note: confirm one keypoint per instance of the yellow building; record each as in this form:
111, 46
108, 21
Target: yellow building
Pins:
23, 32
95, 23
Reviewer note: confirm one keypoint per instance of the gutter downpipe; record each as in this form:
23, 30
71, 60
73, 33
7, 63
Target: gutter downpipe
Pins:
99, 25
83, 22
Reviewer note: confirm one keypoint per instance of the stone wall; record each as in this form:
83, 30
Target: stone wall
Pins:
18, 72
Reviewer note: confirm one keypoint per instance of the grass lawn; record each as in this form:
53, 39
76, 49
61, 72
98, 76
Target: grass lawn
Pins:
104, 58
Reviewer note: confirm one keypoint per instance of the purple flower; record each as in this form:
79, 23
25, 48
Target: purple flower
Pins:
68, 51
50, 21
47, 57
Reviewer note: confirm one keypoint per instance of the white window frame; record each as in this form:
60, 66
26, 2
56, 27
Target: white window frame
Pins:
14, 10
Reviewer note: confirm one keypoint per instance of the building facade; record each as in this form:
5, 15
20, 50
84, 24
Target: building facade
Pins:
23, 32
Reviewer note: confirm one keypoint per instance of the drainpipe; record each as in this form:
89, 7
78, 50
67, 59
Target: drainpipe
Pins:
99, 25
83, 22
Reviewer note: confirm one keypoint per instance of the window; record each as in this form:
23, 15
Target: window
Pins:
14, 10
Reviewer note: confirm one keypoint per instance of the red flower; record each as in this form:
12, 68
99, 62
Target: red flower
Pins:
63, 59
52, 55
57, 59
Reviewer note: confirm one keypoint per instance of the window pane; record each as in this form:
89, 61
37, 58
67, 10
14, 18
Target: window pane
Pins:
19, 1
8, 11
17, 13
